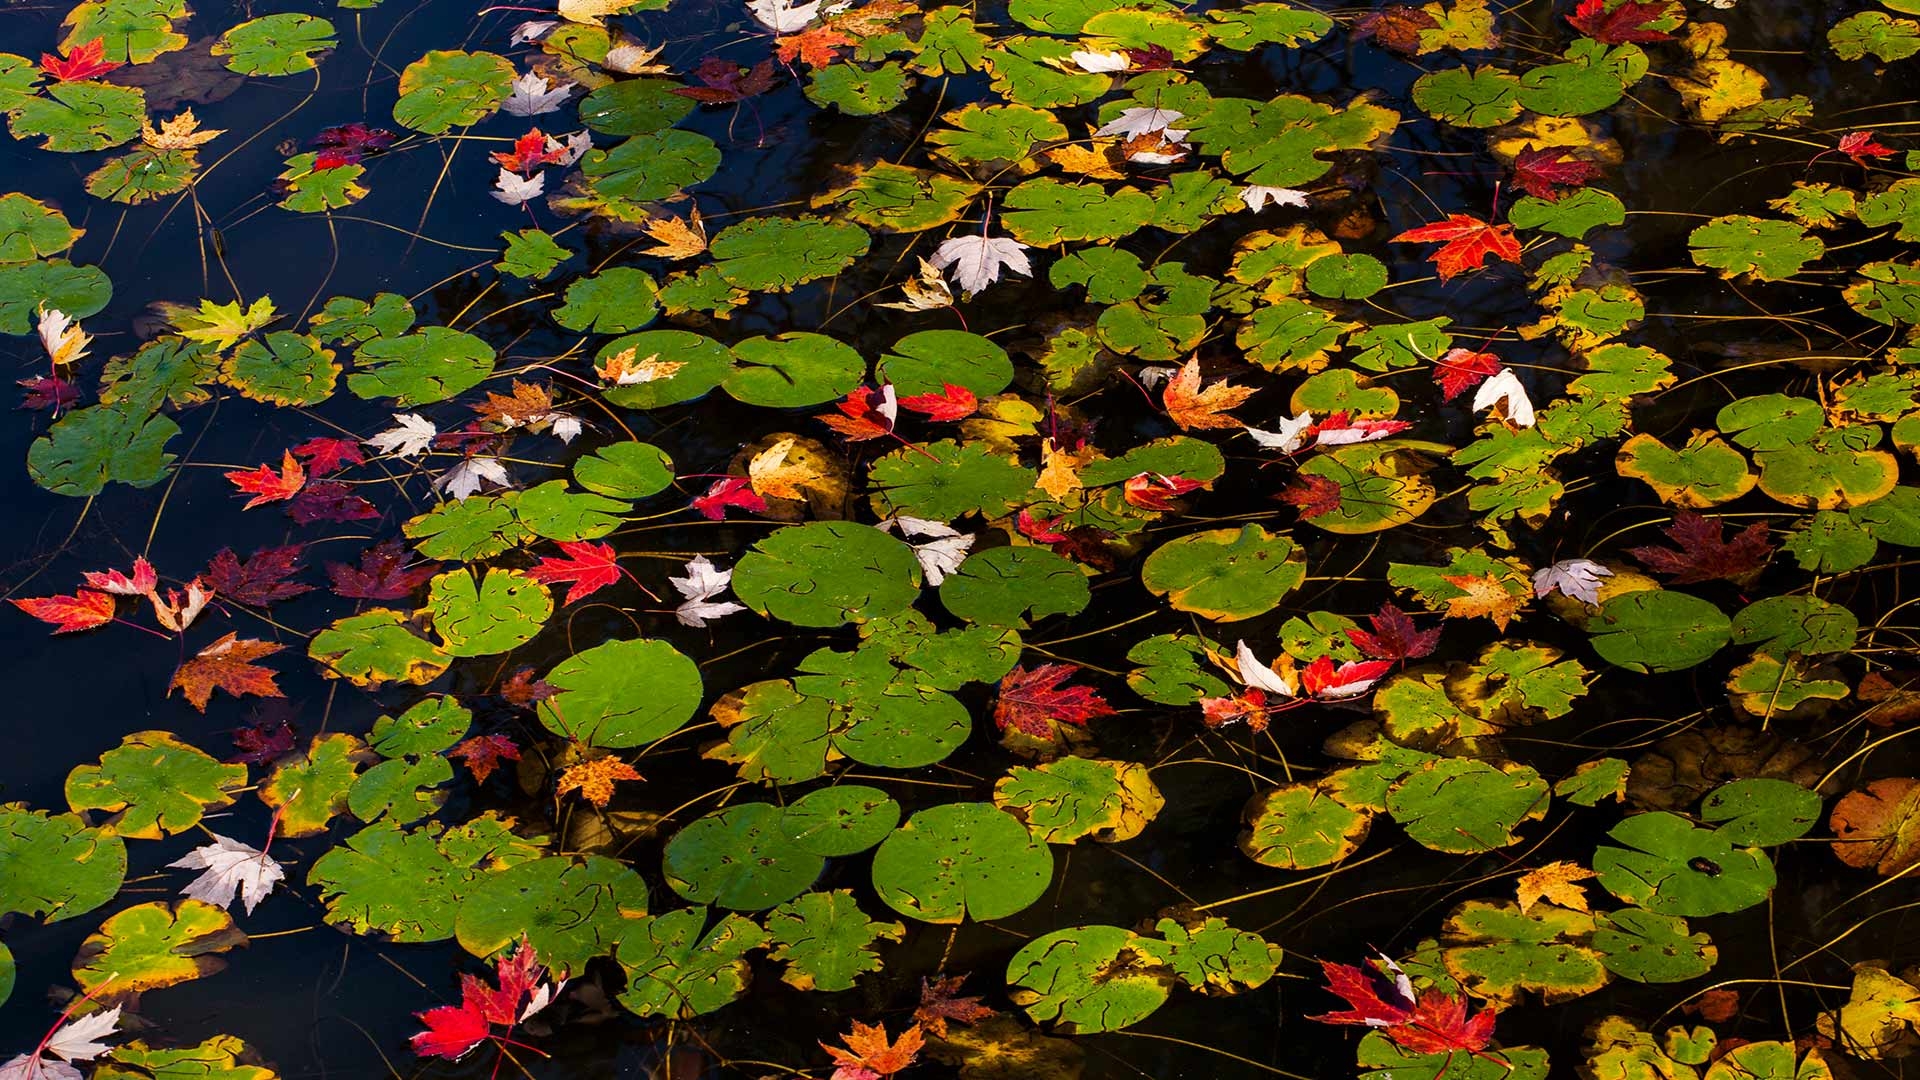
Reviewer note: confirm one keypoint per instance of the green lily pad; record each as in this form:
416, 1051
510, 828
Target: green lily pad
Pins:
282, 369
409, 884
429, 727
1658, 630
1835, 468
315, 787
925, 362
88, 448
75, 117
155, 945
431, 364
473, 528
635, 107
1109, 274
614, 301
1770, 421
7, 973
625, 470
1760, 811
1066, 800
704, 364
1044, 212
495, 613
1012, 586
30, 229
1346, 277
739, 858
221, 1057
79, 291
982, 134
1080, 979
1496, 951
1876, 34
531, 253
1887, 292
154, 785
860, 91
402, 791
279, 44
130, 31
941, 481
1650, 948
845, 819
1170, 671
1225, 574
675, 970
347, 319
1479, 98
58, 866
826, 940
827, 573
572, 909
1778, 625
894, 198
1671, 867
1765, 249
307, 190
1593, 77
375, 647
769, 254
793, 371
1465, 806
961, 860
1246, 28
1705, 472
448, 88
553, 512
621, 694
648, 168
1575, 214
1388, 1060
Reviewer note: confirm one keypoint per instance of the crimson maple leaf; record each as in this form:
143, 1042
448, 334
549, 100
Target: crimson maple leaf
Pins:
84, 610
940, 1002
48, 392
1152, 491
1626, 22
483, 753
1702, 554
1321, 679
723, 82
1397, 27
1032, 701
267, 486
1542, 173
454, 1030
328, 455
529, 153
1428, 1022
1151, 58
1313, 496
860, 418
87, 60
1394, 637
590, 566
259, 580
951, 403
732, 491
1862, 148
266, 737
1038, 530
1248, 706
1467, 243
383, 574
1460, 370
526, 691
329, 500
348, 144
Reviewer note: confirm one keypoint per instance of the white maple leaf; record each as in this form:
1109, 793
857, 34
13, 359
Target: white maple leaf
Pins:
978, 260
938, 558
1099, 62
541, 997
533, 95
783, 16
513, 189
565, 426
633, 58
1291, 436
697, 612
1154, 375
704, 581
466, 478
1257, 196
1140, 120
411, 434
61, 336
571, 150
74, 1040
1578, 578
531, 31
1258, 675
913, 526
176, 615
32, 1067
230, 867
889, 404
1504, 389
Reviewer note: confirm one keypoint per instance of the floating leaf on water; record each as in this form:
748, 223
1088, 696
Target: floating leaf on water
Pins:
279, 44
621, 694
155, 945
1671, 867
408, 884
153, 784
675, 969
826, 940
1073, 798
58, 865
961, 860
1225, 574
571, 909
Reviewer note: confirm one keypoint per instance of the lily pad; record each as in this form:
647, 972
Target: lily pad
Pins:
1073, 798
150, 946
826, 940
827, 573
675, 970
845, 819
154, 785
1670, 867
431, 364
961, 860
739, 858
1225, 574
409, 884
1012, 586
279, 44
925, 362
943, 480
58, 866
1658, 630
572, 909
776, 254
793, 371
1761, 811
621, 694
448, 88
494, 613
1650, 948
375, 647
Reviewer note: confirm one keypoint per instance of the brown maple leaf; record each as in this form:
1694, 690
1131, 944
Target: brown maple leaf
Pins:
1702, 554
595, 779
1191, 407
529, 404
1484, 594
1894, 697
940, 1002
227, 664
1557, 883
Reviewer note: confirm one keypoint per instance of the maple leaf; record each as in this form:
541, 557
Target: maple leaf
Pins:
70, 1040
228, 665
594, 779
976, 261
84, 610
1099, 159
1193, 408
1714, 1006
1154, 148
1626, 22
265, 738
1578, 578
113, 581
771, 475
1094, 62
589, 566
410, 435
678, 238
926, 290
1312, 495
454, 1030
529, 404
383, 574
814, 47
1483, 594
951, 403
483, 753
325, 455
1505, 389
1461, 370
230, 867
465, 480
1429, 1022
940, 1002
1557, 883
1466, 243
731, 491
702, 583
48, 392
590, 12
1321, 679
1151, 58
219, 325
1060, 469
1249, 706
1861, 147
869, 1054
1894, 698
1394, 636
1259, 196
943, 548
180, 133
1152, 491
533, 95
87, 60
530, 152
1542, 173
621, 369
525, 690
633, 58
723, 82
267, 486
348, 144
1292, 434
329, 500
259, 580
177, 614
1702, 554
513, 189
783, 16
859, 418
1038, 530
1338, 429
61, 336
1397, 28
1032, 701
1131, 123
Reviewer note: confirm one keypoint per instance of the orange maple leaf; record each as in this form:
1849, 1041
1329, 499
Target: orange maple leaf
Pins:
267, 486
679, 239
814, 46
227, 665
84, 610
1098, 160
530, 404
869, 1053
594, 779
1467, 243
1191, 407
1485, 595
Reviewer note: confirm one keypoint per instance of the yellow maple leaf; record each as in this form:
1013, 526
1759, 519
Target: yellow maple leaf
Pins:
1094, 160
180, 133
1556, 882
773, 476
679, 239
1484, 595
591, 12
219, 325
926, 290
1060, 469
622, 369
594, 779
1192, 407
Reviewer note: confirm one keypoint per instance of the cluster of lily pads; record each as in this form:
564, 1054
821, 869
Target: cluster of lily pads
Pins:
943, 511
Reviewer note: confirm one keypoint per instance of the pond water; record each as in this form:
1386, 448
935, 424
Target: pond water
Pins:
1726, 286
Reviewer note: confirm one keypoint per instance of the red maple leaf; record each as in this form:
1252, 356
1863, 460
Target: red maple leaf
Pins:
1394, 637
1249, 706
1339, 429
1460, 370
329, 500
483, 753
259, 580
328, 455
869, 1056
1467, 243
723, 82
940, 1002
1322, 679
590, 566
1313, 496
1151, 58
1152, 491
526, 691
84, 610
347, 144
529, 153
141, 583
267, 486
267, 737
1862, 148
454, 1030
1542, 173
732, 491
951, 403
1037, 530
84, 61
1702, 554
48, 392
813, 47
383, 574
1032, 701
859, 419
1626, 22
1429, 1022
